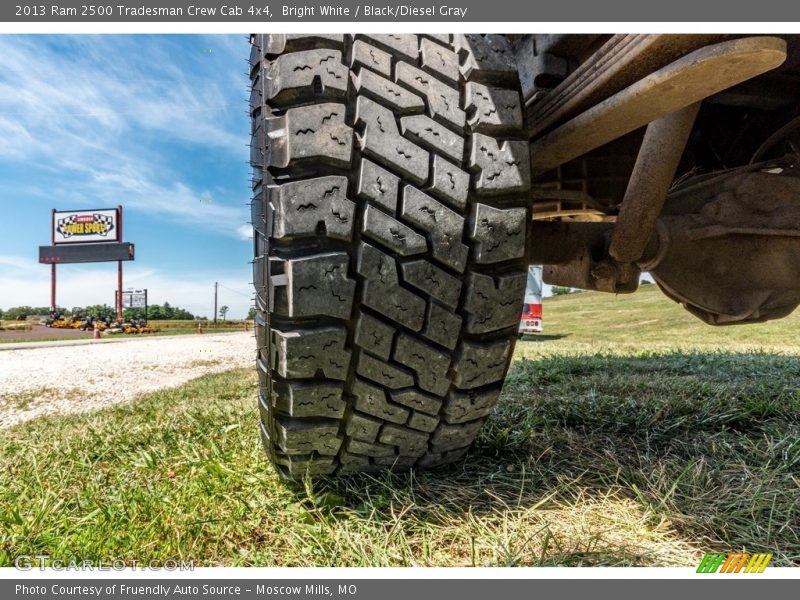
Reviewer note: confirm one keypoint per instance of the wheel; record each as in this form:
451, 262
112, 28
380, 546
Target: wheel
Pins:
390, 208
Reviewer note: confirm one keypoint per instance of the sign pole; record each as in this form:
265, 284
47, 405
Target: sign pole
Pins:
53, 288
119, 265
53, 266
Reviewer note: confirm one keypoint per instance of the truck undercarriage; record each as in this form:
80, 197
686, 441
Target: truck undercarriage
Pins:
671, 154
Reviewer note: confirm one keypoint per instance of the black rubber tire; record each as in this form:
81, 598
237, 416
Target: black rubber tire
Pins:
390, 207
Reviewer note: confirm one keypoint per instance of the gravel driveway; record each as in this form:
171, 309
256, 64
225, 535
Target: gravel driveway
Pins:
77, 378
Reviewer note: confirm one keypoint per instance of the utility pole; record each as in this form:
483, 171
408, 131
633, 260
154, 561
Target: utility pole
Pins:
216, 285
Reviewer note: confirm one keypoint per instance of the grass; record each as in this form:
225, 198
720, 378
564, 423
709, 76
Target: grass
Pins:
22, 400
15, 326
592, 322
598, 454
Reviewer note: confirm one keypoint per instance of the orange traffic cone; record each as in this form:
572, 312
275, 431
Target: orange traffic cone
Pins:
199, 327
246, 326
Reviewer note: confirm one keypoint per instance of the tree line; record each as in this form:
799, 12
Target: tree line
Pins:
156, 312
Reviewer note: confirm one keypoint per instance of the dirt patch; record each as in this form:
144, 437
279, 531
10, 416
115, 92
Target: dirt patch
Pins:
41, 333
77, 378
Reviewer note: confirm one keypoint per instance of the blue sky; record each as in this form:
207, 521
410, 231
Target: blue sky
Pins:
157, 124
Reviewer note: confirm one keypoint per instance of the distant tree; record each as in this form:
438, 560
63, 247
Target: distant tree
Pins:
560, 290
251, 314
133, 314
154, 312
223, 311
19, 313
645, 282
182, 314
101, 311
167, 311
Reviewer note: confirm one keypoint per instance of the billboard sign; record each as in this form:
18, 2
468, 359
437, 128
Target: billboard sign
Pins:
134, 299
86, 226
85, 253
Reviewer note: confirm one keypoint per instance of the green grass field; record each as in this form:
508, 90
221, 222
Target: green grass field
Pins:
628, 434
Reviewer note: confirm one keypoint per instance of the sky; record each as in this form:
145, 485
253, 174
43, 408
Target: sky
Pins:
157, 124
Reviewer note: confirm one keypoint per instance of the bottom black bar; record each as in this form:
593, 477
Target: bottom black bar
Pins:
392, 589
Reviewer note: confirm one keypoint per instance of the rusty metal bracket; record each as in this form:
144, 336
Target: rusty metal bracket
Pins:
686, 81
620, 62
654, 171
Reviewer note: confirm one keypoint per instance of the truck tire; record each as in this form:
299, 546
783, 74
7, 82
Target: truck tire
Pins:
390, 209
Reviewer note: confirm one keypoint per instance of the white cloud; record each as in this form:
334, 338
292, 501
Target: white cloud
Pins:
96, 114
245, 232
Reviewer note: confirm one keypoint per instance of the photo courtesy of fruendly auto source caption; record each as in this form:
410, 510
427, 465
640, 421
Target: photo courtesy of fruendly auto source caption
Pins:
380, 300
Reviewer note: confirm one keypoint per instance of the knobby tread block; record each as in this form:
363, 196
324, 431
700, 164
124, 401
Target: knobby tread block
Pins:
442, 326
378, 88
480, 364
312, 207
502, 168
296, 399
382, 291
389, 206
361, 427
444, 226
371, 400
493, 303
430, 364
449, 183
486, 56
310, 132
418, 401
381, 139
439, 60
498, 233
302, 464
404, 46
442, 100
303, 353
378, 185
431, 135
274, 44
423, 422
354, 463
409, 442
304, 437
374, 336
383, 373
432, 280
390, 232
311, 73
371, 57
493, 110
451, 437
470, 406
366, 449
316, 285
